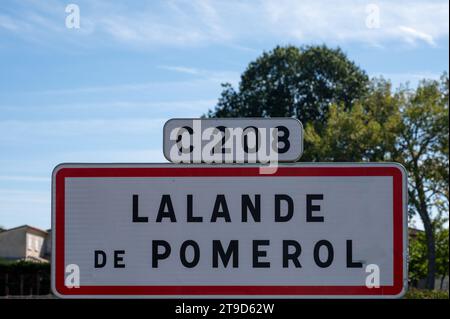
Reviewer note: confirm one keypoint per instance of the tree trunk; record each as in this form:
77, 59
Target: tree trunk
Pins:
431, 253
421, 206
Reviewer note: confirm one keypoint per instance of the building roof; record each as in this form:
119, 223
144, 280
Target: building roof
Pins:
28, 227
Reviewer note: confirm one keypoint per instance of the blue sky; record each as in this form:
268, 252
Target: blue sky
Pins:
101, 93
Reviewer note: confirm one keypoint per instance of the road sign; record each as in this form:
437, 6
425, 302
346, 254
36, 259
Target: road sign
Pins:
165, 230
233, 140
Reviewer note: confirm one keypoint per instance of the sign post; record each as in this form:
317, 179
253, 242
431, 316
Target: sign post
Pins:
174, 230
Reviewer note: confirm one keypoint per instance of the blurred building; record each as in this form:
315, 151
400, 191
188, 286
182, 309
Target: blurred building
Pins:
25, 243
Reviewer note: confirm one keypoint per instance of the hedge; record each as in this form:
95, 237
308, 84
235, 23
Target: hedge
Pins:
24, 278
414, 293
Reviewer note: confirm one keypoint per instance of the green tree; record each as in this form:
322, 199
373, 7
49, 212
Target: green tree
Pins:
366, 132
422, 147
417, 257
418, 252
294, 82
442, 248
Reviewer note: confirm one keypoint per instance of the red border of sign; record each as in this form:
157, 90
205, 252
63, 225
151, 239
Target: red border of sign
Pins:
278, 290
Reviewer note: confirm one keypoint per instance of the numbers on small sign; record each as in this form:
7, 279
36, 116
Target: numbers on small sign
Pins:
179, 140
220, 147
283, 139
257, 142
225, 137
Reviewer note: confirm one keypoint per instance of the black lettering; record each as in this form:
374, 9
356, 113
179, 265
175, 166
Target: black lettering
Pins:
260, 253
255, 209
136, 217
182, 149
97, 263
233, 249
118, 258
196, 257
225, 135
220, 209
326, 263
162, 213
291, 256
257, 140
313, 208
159, 256
190, 215
350, 262
290, 210
284, 139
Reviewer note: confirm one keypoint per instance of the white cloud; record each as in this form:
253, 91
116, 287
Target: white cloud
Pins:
203, 79
181, 69
15, 178
142, 31
411, 35
7, 23
199, 22
209, 75
337, 21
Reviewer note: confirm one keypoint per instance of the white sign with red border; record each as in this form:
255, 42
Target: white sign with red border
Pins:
191, 231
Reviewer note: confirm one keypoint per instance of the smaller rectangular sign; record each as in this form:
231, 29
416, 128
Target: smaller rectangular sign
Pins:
233, 140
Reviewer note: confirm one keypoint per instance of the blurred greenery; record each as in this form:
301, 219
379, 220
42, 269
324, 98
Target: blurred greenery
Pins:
290, 81
24, 278
4, 261
414, 293
22, 266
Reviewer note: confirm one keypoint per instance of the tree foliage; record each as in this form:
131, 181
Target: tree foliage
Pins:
442, 248
417, 257
418, 264
366, 132
294, 82
422, 147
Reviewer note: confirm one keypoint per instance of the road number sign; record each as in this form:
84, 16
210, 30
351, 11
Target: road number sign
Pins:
233, 140
165, 230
